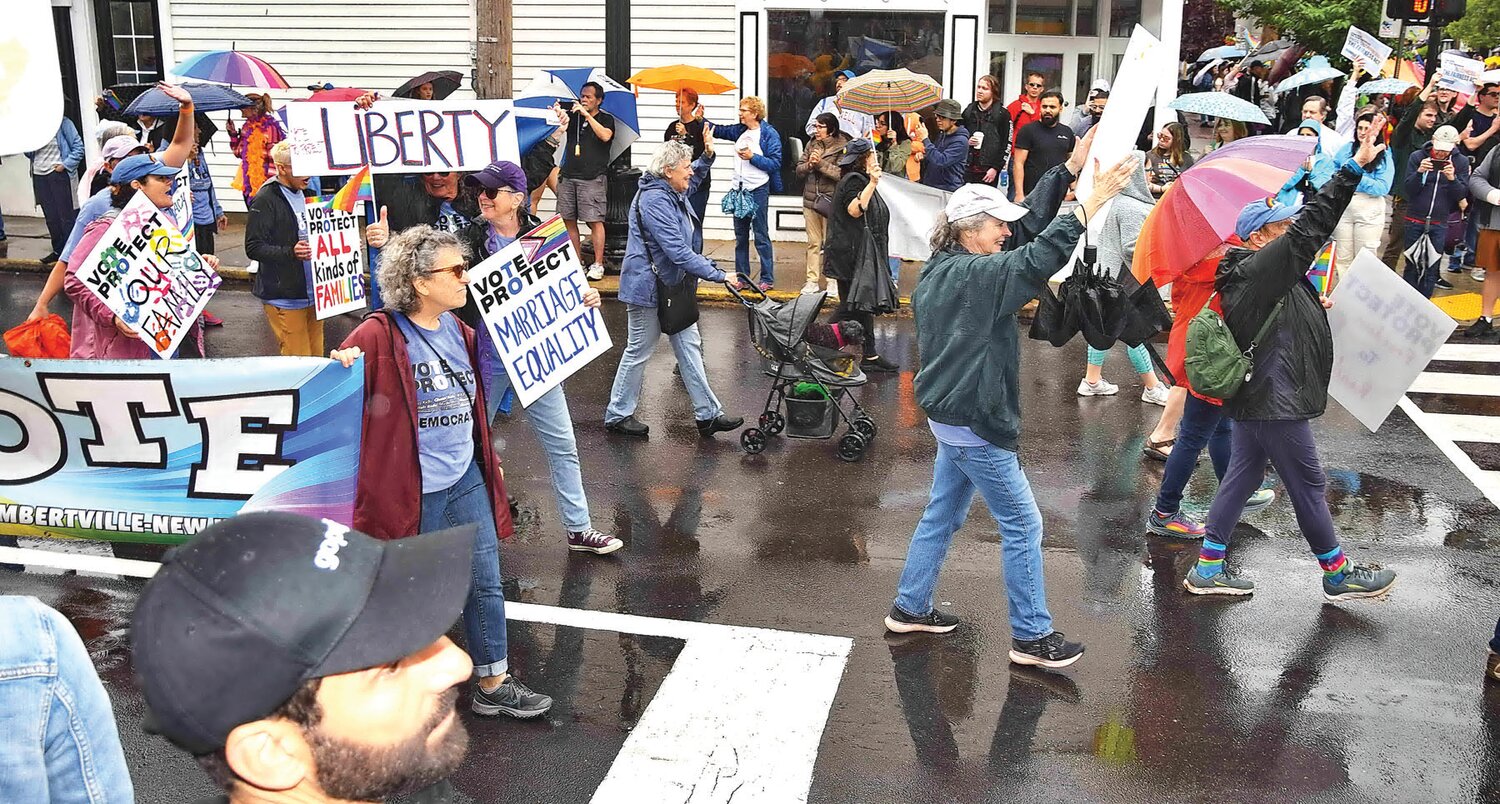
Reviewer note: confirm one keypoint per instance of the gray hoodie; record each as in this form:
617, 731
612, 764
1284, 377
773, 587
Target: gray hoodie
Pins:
1122, 224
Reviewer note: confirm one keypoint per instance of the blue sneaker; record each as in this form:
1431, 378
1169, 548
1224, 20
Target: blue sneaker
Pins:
1365, 581
1220, 583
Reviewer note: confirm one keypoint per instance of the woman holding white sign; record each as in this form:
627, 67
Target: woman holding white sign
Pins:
501, 191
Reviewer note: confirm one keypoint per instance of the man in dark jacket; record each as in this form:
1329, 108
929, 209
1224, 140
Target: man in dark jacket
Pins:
1288, 385
988, 125
947, 156
1437, 181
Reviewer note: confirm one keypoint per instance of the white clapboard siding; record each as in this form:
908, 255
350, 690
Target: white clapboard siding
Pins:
375, 46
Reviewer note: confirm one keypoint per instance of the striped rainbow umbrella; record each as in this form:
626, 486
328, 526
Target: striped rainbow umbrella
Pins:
231, 67
890, 91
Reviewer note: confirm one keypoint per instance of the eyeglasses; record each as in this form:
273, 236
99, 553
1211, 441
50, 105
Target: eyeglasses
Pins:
1492, 93
458, 270
819, 125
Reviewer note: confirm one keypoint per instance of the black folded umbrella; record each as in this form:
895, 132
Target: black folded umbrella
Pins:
1051, 322
1145, 313
871, 289
1096, 299
444, 83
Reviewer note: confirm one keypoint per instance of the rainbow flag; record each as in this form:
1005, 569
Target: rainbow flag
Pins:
1247, 40
545, 239
361, 187
1322, 270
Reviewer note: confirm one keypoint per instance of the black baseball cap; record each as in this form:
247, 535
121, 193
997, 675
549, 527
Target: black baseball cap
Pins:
855, 151
238, 618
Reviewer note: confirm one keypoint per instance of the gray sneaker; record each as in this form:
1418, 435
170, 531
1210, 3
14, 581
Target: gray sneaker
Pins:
1259, 499
510, 698
1370, 580
1220, 583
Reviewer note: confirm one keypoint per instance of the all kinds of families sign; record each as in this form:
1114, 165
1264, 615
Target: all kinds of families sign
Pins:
530, 294
401, 136
1384, 334
337, 262
155, 451
149, 275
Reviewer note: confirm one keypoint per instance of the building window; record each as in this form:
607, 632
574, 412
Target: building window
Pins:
808, 48
997, 68
129, 41
1050, 65
1124, 15
1085, 78
999, 16
1044, 17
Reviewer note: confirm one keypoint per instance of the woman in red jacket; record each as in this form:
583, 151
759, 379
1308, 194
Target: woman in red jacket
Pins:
426, 462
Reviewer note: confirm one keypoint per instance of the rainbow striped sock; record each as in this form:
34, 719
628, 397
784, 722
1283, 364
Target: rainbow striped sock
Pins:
1335, 565
1211, 558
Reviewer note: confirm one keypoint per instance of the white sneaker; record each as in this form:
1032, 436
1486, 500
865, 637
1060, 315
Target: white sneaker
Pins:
1478, 274
810, 287
1156, 394
1101, 388
833, 289
596, 272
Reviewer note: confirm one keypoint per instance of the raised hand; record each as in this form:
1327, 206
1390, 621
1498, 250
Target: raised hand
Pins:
176, 93
1080, 155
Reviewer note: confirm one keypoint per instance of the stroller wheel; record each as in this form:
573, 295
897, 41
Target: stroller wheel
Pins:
753, 440
772, 422
865, 426
851, 447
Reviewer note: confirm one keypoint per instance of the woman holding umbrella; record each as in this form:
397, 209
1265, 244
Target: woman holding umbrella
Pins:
252, 144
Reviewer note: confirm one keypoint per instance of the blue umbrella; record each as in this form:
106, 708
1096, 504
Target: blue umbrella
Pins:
1222, 52
206, 98
552, 86
1220, 104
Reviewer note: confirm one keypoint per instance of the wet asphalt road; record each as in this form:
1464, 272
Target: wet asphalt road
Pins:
1273, 698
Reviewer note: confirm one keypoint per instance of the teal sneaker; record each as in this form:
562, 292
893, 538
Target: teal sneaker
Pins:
1220, 583
1260, 499
1361, 581
1176, 525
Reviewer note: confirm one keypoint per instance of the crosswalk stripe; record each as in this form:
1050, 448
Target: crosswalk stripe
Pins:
1449, 429
1474, 353
1461, 427
1436, 382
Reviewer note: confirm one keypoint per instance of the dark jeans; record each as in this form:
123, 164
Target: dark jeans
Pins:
1495, 643
203, 237
761, 223
1398, 223
2, 224
54, 192
1463, 253
1423, 281
1290, 447
1202, 424
699, 203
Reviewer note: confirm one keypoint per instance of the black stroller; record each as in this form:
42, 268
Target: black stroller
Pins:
776, 332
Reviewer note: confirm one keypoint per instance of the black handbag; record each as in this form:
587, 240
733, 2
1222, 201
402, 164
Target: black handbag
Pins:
822, 203
676, 305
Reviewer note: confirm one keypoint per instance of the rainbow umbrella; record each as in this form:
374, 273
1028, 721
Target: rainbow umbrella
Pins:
231, 67
1197, 213
890, 91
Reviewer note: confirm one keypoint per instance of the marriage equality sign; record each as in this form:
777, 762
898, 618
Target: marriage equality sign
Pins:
155, 451
400, 136
338, 258
148, 274
530, 295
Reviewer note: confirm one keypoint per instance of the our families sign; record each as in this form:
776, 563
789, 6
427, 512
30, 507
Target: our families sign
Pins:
530, 295
401, 136
154, 451
149, 275
1384, 334
338, 258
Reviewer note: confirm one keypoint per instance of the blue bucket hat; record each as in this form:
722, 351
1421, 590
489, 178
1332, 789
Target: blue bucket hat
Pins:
1258, 214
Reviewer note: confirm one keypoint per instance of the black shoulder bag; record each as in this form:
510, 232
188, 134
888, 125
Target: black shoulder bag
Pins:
676, 305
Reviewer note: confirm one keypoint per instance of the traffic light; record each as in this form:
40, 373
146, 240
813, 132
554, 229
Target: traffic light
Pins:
1425, 10
1449, 10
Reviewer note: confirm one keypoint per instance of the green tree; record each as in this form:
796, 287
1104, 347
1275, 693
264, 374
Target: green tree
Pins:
1320, 25
1205, 23
1480, 26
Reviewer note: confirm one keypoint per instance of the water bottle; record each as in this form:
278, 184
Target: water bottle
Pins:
1005, 182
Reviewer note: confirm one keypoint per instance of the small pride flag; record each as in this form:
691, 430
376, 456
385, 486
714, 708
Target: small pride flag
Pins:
1248, 40
360, 187
1322, 269
545, 239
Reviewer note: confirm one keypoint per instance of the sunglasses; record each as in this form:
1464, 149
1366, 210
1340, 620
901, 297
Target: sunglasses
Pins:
1036, 86
1489, 94
458, 270
491, 192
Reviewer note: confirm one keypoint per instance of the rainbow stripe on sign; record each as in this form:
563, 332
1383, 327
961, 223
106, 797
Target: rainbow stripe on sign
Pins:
1322, 270
545, 239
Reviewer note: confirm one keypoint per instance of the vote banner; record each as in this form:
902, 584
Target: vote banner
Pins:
530, 295
1365, 50
1384, 334
149, 275
338, 262
400, 136
153, 451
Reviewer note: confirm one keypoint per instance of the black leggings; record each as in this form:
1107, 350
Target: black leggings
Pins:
866, 320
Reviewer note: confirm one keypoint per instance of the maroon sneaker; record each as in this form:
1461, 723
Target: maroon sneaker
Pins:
592, 541
764, 287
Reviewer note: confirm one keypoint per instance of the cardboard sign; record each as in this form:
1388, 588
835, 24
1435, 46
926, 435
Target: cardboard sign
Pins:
1365, 50
530, 295
182, 206
1384, 334
334, 139
1459, 73
913, 208
149, 275
337, 262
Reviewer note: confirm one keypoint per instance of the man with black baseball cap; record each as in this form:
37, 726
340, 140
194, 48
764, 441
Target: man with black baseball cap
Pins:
300, 660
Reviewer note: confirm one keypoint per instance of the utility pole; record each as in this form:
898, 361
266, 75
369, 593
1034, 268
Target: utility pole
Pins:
493, 66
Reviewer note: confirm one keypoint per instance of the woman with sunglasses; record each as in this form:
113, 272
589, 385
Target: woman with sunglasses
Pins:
426, 460
500, 191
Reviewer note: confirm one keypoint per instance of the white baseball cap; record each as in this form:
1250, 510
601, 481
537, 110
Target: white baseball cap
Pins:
973, 199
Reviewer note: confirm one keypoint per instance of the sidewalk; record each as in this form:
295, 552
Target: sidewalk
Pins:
27, 244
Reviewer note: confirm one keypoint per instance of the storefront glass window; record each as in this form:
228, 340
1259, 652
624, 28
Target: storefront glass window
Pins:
1086, 18
807, 48
1085, 78
997, 67
1043, 17
1050, 65
999, 16
1123, 16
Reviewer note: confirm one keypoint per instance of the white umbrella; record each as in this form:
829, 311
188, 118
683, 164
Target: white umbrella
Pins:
1317, 71
1220, 104
1386, 86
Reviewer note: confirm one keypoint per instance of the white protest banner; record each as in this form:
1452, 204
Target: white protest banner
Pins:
182, 207
914, 209
337, 262
148, 275
530, 295
1365, 50
1384, 334
400, 136
1459, 73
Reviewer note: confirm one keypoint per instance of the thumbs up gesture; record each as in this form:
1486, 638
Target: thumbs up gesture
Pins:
376, 234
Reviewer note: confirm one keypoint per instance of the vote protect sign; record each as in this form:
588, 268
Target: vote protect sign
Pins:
530, 295
338, 259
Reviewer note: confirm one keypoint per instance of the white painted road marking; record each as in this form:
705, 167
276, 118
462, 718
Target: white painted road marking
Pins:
1445, 429
739, 716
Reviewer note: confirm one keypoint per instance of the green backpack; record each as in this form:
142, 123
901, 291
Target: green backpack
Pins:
1216, 366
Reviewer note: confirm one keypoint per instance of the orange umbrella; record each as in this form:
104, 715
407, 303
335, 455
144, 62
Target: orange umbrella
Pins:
788, 65
677, 77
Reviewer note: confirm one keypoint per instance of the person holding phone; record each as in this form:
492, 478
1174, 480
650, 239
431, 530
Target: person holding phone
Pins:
1437, 178
582, 185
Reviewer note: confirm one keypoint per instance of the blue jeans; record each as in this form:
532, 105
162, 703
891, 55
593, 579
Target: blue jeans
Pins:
762, 223
58, 739
1468, 247
463, 503
1423, 281
553, 424
996, 474
643, 331
895, 269
1202, 424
